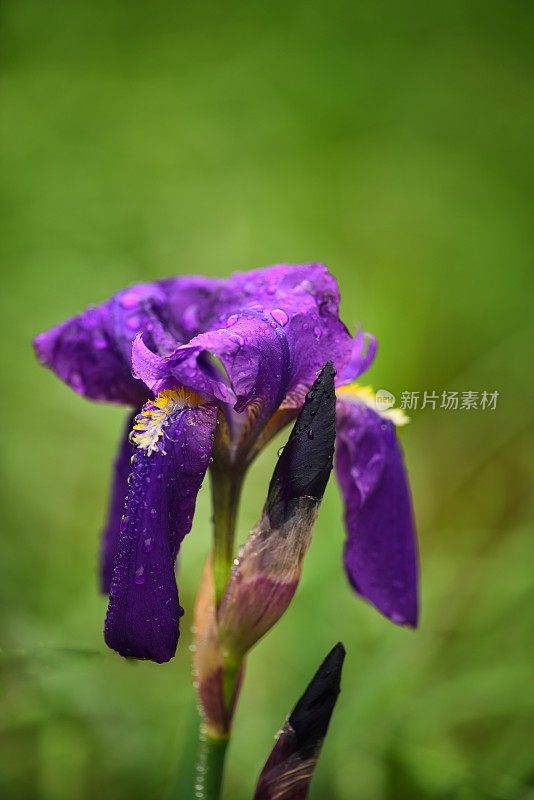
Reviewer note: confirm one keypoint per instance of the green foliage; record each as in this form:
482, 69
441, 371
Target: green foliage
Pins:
392, 141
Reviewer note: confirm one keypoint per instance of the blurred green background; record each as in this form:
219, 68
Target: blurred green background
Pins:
393, 141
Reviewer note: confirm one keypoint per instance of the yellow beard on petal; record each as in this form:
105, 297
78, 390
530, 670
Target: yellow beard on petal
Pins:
155, 415
366, 396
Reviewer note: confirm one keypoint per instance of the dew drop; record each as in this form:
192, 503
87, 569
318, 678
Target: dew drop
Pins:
280, 316
133, 323
99, 342
190, 317
317, 331
129, 300
77, 382
139, 577
311, 434
153, 513
148, 545
232, 319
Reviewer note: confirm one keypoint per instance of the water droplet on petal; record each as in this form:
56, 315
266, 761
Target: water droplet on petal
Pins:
148, 545
99, 342
311, 434
317, 331
190, 317
77, 382
139, 577
129, 300
232, 319
280, 316
153, 513
133, 323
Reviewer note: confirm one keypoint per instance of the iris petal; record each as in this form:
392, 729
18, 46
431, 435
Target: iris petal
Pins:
143, 612
254, 355
381, 551
91, 352
277, 328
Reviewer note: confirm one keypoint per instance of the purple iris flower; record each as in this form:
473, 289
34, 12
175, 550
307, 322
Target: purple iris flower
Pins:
213, 369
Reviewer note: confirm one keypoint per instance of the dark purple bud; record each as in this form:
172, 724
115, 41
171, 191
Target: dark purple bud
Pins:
289, 769
268, 569
306, 461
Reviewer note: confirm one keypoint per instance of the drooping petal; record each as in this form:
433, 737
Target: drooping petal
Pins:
381, 551
173, 448
119, 490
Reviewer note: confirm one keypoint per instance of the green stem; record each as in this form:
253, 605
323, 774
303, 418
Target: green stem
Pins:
210, 767
226, 483
225, 491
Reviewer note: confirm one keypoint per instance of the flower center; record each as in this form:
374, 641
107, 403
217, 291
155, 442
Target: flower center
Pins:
155, 415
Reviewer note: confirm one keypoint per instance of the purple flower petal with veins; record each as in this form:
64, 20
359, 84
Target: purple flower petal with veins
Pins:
380, 553
171, 459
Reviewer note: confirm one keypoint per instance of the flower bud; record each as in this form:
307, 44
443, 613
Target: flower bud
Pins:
268, 568
288, 770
